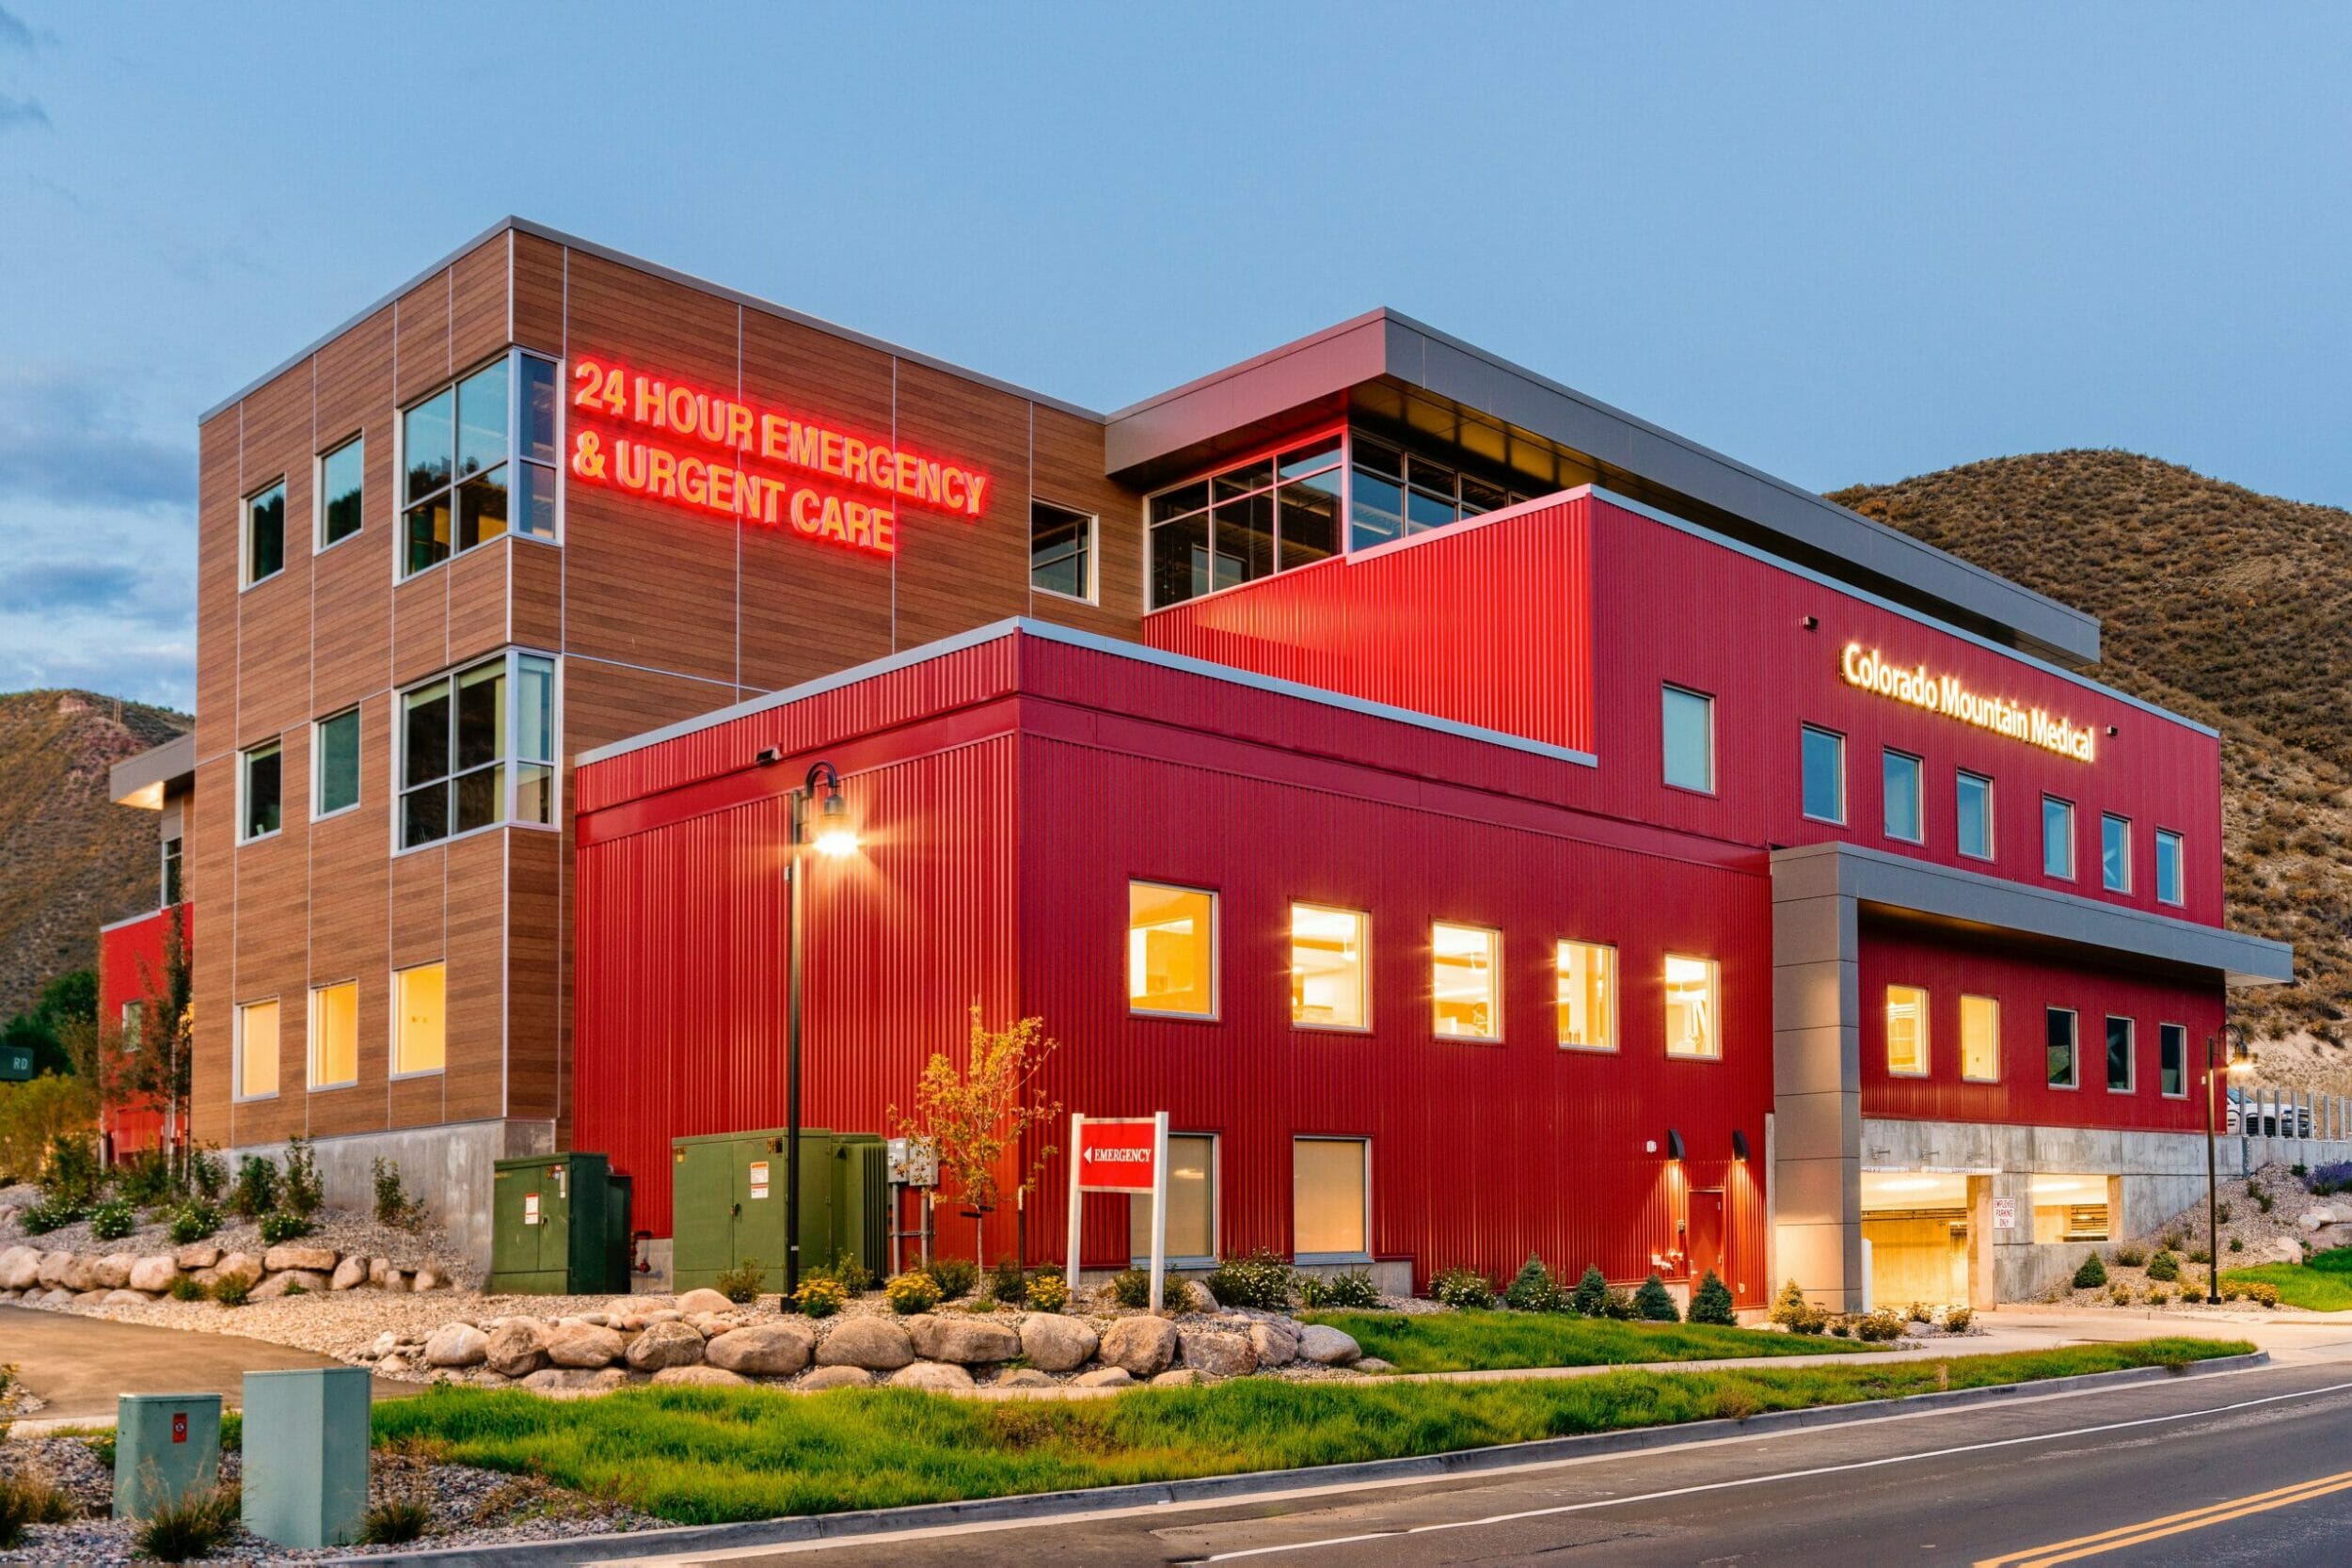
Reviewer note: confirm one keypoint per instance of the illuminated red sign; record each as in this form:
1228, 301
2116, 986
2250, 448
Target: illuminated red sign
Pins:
1116, 1156
711, 452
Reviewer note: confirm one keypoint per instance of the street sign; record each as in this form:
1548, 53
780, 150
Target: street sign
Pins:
1121, 1155
2004, 1214
16, 1064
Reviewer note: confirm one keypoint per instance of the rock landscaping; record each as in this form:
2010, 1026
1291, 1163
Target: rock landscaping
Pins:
2270, 1216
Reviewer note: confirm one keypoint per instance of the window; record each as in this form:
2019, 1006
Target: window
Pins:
341, 478
1973, 797
458, 736
2115, 854
2057, 838
1395, 494
257, 1049
1904, 812
2058, 1034
265, 533
2173, 1061
1061, 550
477, 458
1824, 775
2119, 1074
2167, 866
1691, 1028
1171, 950
1906, 1032
1328, 970
1331, 1197
1272, 513
419, 1020
335, 753
335, 1036
1587, 974
134, 1025
1689, 739
171, 870
1464, 961
1191, 1204
1980, 1039
260, 777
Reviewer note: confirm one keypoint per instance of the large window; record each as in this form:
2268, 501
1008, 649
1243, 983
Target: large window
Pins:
1980, 1039
265, 533
1330, 974
419, 1020
1587, 978
1906, 1032
470, 758
335, 1036
1905, 813
1191, 1204
171, 870
1061, 550
260, 793
478, 458
257, 1049
1972, 796
1269, 514
1689, 733
335, 763
2167, 866
342, 476
1466, 963
2059, 1047
2122, 1070
1395, 494
2057, 838
1171, 950
2115, 853
1331, 1198
1693, 1007
1824, 775
2173, 1061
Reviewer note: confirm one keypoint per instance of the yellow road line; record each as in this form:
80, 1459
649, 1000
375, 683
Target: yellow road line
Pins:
2172, 1524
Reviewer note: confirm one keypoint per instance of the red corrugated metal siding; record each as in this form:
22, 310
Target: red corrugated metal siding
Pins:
1949, 967
130, 959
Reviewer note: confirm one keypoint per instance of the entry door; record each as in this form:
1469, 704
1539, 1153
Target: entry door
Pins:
1706, 1235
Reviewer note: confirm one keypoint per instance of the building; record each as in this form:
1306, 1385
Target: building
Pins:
1533, 830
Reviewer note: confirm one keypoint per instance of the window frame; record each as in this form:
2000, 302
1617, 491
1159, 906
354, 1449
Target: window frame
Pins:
1927, 1058
247, 581
509, 760
1994, 1002
2074, 1048
172, 858
1495, 988
1090, 552
1271, 453
1615, 1037
560, 468
1714, 996
244, 759
1713, 775
2180, 868
1216, 1203
2115, 819
1888, 757
1362, 1141
310, 1044
1837, 738
2074, 849
2180, 1030
1216, 966
1991, 827
394, 1071
1364, 984
318, 766
237, 1067
320, 543
2131, 1053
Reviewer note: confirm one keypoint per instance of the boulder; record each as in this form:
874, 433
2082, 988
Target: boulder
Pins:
62, 1271
239, 1265
385, 1343
1372, 1364
665, 1345
703, 1301
349, 1275
836, 1377
204, 1278
90, 1298
1215, 1353
1057, 1343
379, 1269
155, 1273
1180, 1377
876, 1344
1276, 1342
2313, 1219
395, 1366
937, 1377
112, 1272
967, 1341
197, 1255
712, 1377
126, 1297
293, 1255
56, 1295
1023, 1377
1327, 1346
515, 1348
427, 1278
1143, 1345
456, 1345
1104, 1377
394, 1280
574, 1380
582, 1346
308, 1281
776, 1349
20, 1268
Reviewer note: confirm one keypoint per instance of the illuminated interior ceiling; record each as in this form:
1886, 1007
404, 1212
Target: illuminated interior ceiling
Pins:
2050, 1190
1915, 1190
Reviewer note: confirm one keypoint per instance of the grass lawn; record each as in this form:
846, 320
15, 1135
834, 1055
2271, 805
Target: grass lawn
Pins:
705, 1455
2322, 1285
1478, 1342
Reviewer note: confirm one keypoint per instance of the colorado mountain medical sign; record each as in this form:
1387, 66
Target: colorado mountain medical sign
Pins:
1922, 687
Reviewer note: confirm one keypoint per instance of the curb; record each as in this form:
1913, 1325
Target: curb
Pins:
584, 1549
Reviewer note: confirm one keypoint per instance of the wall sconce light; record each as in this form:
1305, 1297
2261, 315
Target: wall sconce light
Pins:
1811, 623
1674, 1144
1738, 1144
1651, 1146
2113, 731
767, 757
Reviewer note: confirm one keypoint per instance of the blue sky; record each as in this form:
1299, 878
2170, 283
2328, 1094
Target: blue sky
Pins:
1841, 243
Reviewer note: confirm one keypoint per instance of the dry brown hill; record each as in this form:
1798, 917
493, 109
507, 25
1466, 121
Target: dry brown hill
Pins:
2232, 606
70, 858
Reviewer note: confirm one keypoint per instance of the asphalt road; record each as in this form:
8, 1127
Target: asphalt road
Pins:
2191, 1469
77, 1365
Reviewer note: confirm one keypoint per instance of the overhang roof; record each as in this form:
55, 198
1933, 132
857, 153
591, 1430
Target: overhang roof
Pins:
145, 779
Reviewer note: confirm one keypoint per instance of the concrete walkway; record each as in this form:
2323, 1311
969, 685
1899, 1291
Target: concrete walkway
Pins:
76, 1365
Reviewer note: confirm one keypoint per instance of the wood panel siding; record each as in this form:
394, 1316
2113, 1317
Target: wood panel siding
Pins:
422, 353
478, 588
539, 294
1066, 469
478, 304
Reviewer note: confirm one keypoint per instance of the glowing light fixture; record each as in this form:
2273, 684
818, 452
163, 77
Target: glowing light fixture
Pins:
1674, 1144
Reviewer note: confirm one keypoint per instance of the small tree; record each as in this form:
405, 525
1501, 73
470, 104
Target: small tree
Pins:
1533, 1288
975, 1114
1591, 1295
2092, 1274
1654, 1303
1712, 1304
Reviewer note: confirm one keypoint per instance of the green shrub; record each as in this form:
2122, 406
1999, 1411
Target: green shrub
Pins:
145, 1178
2221, 1214
742, 1283
1653, 1304
40, 1217
2200, 1255
1878, 1326
1919, 1313
1463, 1288
30, 1499
1047, 1291
2120, 1294
912, 1292
1956, 1321
256, 1189
1131, 1288
394, 1205
1533, 1289
2158, 1295
1839, 1328
185, 1287
74, 1174
1796, 1314
2090, 1273
820, 1295
1619, 1305
394, 1522
2163, 1266
1591, 1295
2131, 1257
955, 1277
194, 1220
2264, 1201
231, 1289
1352, 1290
1007, 1282
2236, 1245
1712, 1304
303, 1192
1263, 1280
113, 1220
206, 1175
282, 1226
196, 1526
2263, 1293
2175, 1239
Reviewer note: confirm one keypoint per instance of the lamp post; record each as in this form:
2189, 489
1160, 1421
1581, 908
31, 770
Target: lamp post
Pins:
2213, 1179
833, 835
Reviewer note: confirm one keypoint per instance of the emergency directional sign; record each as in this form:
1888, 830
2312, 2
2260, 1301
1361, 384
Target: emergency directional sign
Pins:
1117, 1156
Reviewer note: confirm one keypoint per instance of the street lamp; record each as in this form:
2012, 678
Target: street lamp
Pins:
2239, 1063
833, 835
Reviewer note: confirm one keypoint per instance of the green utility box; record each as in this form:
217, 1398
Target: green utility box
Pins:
558, 1226
305, 1455
727, 1203
166, 1446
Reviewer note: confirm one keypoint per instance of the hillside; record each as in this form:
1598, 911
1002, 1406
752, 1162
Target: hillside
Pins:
70, 858
2235, 608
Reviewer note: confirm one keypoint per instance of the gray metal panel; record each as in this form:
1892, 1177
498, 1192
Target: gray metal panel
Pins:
171, 765
1264, 388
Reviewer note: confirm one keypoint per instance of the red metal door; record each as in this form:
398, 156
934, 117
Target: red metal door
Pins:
1706, 1235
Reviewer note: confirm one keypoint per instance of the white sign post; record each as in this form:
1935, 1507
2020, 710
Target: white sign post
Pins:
1121, 1154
